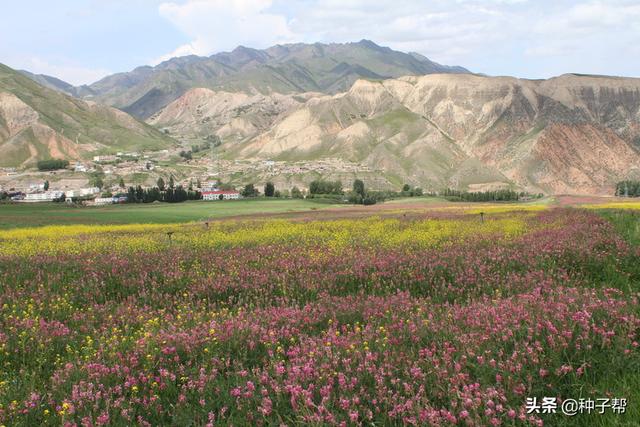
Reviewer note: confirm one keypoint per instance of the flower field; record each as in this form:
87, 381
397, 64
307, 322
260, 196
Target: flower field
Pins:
439, 318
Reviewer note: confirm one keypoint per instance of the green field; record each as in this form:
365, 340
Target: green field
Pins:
13, 215
38, 214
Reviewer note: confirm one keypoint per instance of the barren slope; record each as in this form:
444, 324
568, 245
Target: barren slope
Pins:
567, 134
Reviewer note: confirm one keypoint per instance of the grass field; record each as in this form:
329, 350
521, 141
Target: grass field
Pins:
38, 214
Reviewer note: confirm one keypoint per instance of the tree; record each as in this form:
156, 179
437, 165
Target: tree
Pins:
121, 183
46, 185
98, 182
171, 182
358, 187
131, 195
160, 184
320, 186
406, 188
249, 191
296, 193
269, 189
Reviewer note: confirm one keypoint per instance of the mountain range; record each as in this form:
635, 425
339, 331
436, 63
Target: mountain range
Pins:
400, 114
290, 68
567, 134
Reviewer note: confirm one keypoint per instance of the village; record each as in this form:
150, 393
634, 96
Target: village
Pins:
104, 179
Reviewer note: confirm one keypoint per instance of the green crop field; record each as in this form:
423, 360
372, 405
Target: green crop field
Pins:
38, 214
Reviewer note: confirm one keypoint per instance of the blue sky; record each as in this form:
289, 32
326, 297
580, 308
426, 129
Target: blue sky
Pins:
82, 40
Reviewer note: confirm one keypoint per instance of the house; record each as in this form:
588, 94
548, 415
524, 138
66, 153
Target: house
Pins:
101, 201
47, 196
83, 192
220, 195
103, 159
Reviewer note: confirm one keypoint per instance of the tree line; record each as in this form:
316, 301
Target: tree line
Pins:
628, 188
52, 164
485, 196
162, 193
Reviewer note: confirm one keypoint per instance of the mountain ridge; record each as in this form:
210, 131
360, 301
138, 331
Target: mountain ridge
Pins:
284, 68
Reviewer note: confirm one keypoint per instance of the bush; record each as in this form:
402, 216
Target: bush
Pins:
52, 164
369, 200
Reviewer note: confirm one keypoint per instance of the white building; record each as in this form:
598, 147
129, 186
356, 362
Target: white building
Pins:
47, 196
220, 195
36, 187
102, 159
83, 192
100, 201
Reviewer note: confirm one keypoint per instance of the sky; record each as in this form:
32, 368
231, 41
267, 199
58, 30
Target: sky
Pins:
81, 41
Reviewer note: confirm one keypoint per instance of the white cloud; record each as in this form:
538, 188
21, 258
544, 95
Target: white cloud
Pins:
441, 29
218, 25
598, 31
532, 38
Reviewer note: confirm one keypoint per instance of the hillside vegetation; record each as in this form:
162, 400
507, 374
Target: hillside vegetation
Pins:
38, 123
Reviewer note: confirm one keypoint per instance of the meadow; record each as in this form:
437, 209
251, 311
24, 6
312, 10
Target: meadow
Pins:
391, 317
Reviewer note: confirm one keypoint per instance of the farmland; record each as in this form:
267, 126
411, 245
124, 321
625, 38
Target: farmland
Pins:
25, 214
426, 314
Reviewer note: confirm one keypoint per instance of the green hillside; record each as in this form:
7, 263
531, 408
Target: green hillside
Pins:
37, 123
